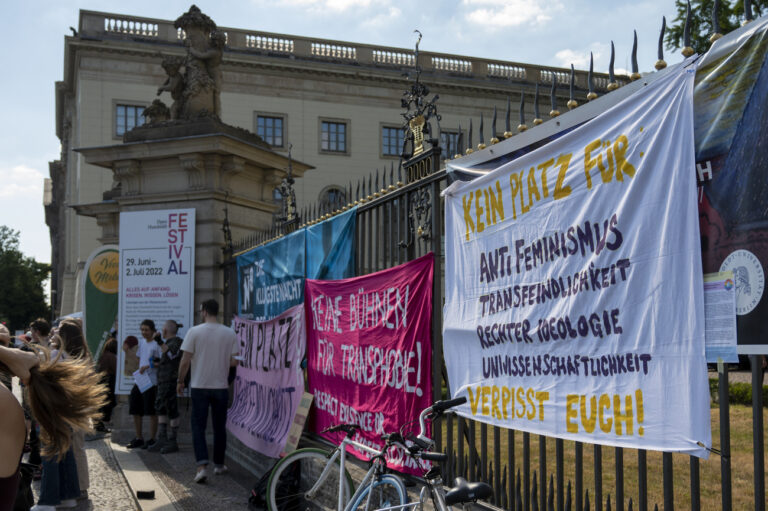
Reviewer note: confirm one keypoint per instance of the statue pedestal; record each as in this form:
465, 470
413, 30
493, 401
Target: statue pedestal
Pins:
201, 164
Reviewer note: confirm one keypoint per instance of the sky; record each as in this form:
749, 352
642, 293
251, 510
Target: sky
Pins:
544, 32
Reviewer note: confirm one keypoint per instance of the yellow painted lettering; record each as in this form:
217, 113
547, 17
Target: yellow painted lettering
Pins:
605, 173
588, 421
506, 395
523, 208
497, 203
571, 413
620, 151
564, 160
625, 418
495, 402
520, 399
474, 400
589, 162
542, 396
532, 407
543, 167
514, 188
484, 401
533, 188
467, 204
479, 211
605, 403
487, 209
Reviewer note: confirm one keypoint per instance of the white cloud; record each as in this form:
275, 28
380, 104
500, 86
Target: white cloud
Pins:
384, 19
330, 5
510, 13
23, 182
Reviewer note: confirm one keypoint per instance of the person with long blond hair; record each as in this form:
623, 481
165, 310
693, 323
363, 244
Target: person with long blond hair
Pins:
74, 345
47, 380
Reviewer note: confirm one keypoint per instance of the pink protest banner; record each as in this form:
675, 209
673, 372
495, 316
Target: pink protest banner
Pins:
369, 350
269, 384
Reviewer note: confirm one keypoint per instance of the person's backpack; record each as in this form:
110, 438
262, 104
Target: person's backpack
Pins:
24, 498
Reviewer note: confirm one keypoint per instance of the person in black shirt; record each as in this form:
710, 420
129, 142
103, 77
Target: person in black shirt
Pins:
165, 404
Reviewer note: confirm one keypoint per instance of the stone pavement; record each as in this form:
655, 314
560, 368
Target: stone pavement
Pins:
117, 474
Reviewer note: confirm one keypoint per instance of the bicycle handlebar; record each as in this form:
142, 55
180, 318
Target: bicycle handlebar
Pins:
437, 408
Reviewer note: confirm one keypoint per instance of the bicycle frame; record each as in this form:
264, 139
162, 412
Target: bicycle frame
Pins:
341, 451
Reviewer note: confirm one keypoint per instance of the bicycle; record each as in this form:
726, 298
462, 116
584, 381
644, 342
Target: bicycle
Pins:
307, 479
294, 480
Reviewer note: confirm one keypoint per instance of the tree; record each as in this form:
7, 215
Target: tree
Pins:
21, 297
730, 16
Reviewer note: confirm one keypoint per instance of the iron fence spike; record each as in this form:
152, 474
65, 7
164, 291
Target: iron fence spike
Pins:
535, 493
551, 494
469, 136
635, 69
630, 504
716, 17
608, 503
611, 75
481, 131
536, 102
660, 52
586, 501
568, 497
687, 50
591, 77
493, 123
507, 126
748, 11
522, 108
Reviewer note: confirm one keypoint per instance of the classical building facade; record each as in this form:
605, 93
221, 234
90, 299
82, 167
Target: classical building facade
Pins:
334, 103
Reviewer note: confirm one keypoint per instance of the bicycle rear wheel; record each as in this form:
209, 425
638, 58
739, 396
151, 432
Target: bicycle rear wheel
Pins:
388, 491
295, 475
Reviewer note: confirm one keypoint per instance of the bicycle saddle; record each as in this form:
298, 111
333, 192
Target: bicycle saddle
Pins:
349, 429
464, 491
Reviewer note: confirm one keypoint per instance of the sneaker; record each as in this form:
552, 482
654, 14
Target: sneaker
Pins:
201, 476
220, 470
136, 442
41, 507
67, 503
149, 444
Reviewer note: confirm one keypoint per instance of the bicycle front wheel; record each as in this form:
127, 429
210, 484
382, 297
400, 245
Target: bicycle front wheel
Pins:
388, 491
296, 474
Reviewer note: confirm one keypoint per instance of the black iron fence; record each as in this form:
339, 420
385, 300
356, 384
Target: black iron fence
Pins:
397, 222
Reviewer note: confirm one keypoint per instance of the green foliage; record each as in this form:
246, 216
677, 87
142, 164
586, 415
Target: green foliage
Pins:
21, 298
738, 393
730, 17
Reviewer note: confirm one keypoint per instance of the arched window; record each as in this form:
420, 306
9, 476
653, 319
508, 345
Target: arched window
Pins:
332, 197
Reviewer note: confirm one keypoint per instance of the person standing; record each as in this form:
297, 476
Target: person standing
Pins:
210, 349
166, 405
141, 404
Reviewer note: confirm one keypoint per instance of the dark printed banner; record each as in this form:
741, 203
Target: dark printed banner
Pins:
269, 384
271, 277
370, 353
731, 114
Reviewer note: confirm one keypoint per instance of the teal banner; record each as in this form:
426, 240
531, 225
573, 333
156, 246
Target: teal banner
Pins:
271, 277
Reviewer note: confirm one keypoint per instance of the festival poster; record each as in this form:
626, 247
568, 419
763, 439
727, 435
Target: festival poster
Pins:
101, 279
574, 290
369, 352
157, 276
269, 384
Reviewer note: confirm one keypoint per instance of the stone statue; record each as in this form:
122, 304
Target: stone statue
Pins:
196, 93
157, 112
173, 84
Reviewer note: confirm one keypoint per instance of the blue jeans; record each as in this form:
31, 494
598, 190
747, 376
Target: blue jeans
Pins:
217, 400
59, 480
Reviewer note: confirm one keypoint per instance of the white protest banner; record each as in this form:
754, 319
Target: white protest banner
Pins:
157, 277
269, 385
574, 303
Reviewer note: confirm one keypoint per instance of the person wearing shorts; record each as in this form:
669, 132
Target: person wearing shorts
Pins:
142, 404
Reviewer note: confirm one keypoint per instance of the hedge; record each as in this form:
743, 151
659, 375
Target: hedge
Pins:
738, 393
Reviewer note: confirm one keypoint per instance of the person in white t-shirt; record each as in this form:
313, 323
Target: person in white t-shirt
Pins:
209, 348
141, 404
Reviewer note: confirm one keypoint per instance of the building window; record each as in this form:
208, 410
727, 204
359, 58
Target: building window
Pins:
332, 197
449, 143
333, 137
390, 141
270, 129
127, 117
